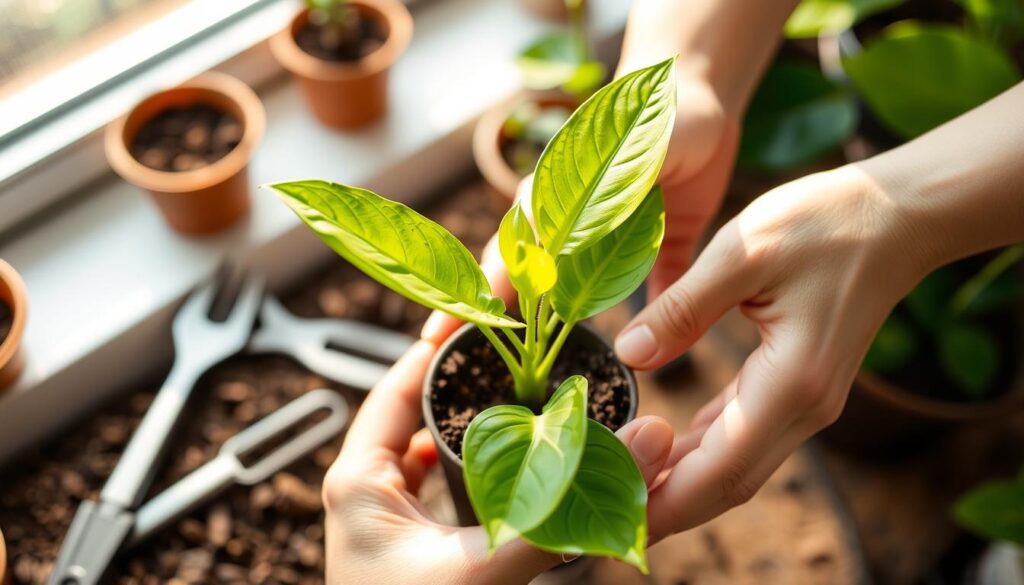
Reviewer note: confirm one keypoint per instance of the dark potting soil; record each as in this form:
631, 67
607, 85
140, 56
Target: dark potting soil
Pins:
186, 138
354, 38
471, 383
6, 320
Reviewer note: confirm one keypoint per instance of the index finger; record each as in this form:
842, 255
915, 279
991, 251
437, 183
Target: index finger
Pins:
392, 412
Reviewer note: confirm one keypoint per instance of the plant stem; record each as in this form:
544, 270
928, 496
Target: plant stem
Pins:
516, 342
549, 360
510, 360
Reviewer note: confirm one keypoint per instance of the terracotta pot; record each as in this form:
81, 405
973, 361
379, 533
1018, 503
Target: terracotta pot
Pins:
883, 418
204, 200
12, 293
489, 140
466, 337
553, 10
347, 95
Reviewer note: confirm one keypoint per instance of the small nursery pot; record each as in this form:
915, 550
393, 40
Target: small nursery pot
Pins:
12, 293
489, 141
347, 95
204, 200
468, 336
554, 10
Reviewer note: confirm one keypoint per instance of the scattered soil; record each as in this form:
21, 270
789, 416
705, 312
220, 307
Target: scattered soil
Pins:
471, 382
6, 320
268, 533
347, 38
186, 138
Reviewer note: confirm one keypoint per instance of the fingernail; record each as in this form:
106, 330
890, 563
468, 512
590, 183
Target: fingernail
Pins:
652, 443
432, 328
636, 346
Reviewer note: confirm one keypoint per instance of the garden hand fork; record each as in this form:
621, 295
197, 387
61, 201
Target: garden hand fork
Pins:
100, 528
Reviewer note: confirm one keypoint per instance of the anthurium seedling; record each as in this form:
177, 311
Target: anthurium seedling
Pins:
540, 469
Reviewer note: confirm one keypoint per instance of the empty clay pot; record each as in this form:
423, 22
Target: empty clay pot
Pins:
489, 140
12, 293
204, 200
347, 94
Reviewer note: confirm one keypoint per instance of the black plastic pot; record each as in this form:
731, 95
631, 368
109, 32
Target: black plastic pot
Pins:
469, 336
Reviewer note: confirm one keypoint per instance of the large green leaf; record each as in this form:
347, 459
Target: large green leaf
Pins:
599, 167
607, 272
398, 248
915, 77
518, 466
557, 60
796, 114
605, 510
970, 356
994, 510
815, 17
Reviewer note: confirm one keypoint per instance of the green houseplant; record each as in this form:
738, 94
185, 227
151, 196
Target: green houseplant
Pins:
559, 71
532, 467
994, 510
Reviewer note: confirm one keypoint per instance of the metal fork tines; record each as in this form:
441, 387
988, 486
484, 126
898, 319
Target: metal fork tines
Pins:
199, 343
328, 347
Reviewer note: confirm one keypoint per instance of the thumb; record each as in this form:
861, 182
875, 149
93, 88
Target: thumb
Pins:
719, 280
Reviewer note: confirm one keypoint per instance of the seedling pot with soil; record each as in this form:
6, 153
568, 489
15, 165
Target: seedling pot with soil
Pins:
13, 315
190, 147
494, 148
345, 82
467, 377
520, 409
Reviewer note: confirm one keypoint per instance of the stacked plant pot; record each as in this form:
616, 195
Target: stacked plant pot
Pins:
190, 147
13, 315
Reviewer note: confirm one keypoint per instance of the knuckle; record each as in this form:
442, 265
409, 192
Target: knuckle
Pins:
678, 312
738, 488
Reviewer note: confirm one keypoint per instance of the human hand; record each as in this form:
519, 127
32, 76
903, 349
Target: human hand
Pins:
817, 264
377, 530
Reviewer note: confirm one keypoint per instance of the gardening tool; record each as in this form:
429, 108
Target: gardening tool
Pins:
227, 468
317, 343
100, 528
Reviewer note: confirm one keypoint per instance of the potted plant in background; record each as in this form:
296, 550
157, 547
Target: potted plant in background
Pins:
190, 147
533, 464
341, 52
13, 315
995, 511
559, 71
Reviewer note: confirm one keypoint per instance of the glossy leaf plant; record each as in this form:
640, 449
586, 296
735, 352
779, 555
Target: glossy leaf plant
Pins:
557, 479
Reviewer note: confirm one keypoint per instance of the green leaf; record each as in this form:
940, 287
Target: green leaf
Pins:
915, 77
518, 466
998, 21
994, 510
550, 61
970, 356
816, 17
993, 287
533, 271
605, 510
513, 229
893, 347
604, 274
929, 302
796, 115
398, 248
587, 78
599, 167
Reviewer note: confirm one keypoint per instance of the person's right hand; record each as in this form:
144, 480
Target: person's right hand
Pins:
817, 264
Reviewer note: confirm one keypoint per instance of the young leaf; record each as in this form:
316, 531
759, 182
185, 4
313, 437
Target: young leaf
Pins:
599, 167
398, 248
607, 272
532, 271
815, 17
796, 114
518, 466
551, 61
995, 510
970, 356
514, 228
605, 510
915, 77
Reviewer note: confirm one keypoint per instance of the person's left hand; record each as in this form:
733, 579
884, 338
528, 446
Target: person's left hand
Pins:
379, 532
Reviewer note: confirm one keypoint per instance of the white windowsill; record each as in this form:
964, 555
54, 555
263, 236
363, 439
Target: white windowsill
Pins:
104, 274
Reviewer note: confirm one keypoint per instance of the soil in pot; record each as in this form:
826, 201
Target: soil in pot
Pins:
6, 320
353, 37
471, 382
186, 138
